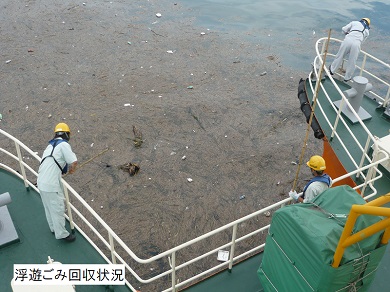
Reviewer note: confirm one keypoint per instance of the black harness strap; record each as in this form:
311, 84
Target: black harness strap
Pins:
359, 30
51, 154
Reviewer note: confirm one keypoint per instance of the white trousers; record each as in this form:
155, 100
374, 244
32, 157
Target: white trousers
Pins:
54, 205
348, 46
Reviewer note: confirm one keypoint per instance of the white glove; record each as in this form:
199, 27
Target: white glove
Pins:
294, 195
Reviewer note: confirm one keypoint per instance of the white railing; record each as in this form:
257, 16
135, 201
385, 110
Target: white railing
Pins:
116, 251
371, 140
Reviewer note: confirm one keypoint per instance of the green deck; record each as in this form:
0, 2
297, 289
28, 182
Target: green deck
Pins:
36, 240
242, 278
378, 125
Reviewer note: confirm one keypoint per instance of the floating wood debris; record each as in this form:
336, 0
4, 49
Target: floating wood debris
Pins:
130, 167
137, 137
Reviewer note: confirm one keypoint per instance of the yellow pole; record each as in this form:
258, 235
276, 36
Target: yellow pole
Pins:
386, 236
344, 235
366, 232
370, 208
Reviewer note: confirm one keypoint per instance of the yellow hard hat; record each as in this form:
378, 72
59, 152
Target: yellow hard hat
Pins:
367, 20
61, 127
317, 163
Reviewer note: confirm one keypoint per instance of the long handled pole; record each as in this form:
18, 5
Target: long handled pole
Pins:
312, 112
89, 160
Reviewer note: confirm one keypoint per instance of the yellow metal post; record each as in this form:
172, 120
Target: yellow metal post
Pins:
371, 208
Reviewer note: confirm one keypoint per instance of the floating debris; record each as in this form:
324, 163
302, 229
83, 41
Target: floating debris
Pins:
267, 214
293, 163
8, 61
264, 73
242, 197
137, 137
158, 15
130, 167
189, 179
170, 52
190, 87
183, 158
202, 33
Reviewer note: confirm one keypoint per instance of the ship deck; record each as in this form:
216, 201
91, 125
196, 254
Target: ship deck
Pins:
377, 124
244, 278
36, 241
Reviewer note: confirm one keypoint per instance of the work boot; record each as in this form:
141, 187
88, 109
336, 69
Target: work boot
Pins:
70, 238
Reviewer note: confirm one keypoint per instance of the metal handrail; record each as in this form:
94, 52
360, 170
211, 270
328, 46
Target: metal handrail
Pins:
318, 60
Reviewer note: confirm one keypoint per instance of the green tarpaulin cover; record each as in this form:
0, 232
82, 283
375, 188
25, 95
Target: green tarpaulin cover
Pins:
302, 240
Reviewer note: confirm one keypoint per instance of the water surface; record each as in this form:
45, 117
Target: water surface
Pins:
292, 26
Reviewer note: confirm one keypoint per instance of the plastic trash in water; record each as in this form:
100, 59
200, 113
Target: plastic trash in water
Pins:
242, 197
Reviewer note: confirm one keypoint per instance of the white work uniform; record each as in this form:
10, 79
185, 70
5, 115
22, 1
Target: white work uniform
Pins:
314, 189
356, 34
51, 188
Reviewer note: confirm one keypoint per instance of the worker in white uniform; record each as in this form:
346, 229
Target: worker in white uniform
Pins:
356, 32
318, 184
57, 159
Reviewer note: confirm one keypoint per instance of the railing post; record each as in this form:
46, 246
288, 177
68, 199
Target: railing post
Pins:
22, 170
387, 98
173, 266
233, 246
69, 209
371, 170
337, 117
112, 248
364, 154
363, 64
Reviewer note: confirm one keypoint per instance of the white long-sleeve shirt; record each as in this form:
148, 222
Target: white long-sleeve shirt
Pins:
356, 30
